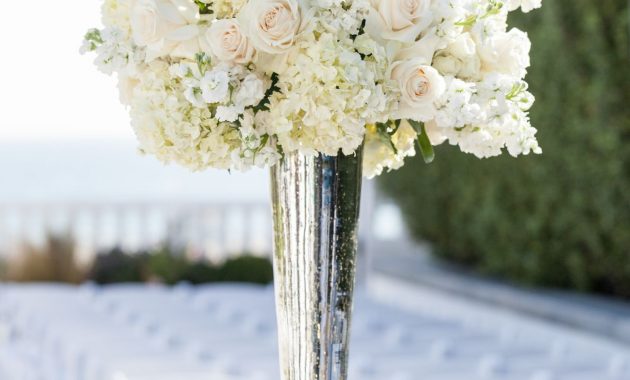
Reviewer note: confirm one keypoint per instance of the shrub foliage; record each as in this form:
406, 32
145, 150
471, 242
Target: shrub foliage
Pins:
165, 266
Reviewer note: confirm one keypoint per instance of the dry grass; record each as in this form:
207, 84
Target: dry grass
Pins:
52, 262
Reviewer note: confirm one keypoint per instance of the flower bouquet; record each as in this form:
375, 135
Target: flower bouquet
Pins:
323, 92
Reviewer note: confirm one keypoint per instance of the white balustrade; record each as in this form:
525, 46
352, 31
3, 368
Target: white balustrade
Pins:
211, 230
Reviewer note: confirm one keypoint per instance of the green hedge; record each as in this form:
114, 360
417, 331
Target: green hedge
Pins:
116, 266
561, 219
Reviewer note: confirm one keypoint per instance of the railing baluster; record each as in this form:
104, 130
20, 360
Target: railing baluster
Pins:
211, 229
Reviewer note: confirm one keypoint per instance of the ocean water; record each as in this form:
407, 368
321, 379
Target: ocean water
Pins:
113, 170
127, 199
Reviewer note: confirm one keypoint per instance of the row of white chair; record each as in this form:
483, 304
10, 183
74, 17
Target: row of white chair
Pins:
227, 332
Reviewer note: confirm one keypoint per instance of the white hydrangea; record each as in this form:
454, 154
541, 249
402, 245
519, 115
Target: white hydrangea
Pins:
174, 130
325, 97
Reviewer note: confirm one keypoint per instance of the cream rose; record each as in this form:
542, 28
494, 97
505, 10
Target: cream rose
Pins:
400, 20
227, 43
271, 25
166, 27
447, 64
459, 58
420, 86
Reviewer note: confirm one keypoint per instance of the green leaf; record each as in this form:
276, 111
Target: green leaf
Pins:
93, 39
204, 9
424, 144
517, 89
385, 134
203, 62
263, 105
416, 125
468, 21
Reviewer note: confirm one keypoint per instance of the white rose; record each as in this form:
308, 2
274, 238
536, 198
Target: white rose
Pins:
447, 64
166, 27
271, 25
506, 53
400, 20
423, 49
227, 43
459, 58
420, 85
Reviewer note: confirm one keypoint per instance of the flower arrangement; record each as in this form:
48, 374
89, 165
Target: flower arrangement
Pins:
238, 83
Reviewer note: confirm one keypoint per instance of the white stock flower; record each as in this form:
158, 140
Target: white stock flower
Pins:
456, 108
214, 86
271, 25
166, 27
400, 20
227, 43
525, 5
113, 53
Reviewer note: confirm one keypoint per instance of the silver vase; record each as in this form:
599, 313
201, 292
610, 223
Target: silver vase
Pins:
315, 214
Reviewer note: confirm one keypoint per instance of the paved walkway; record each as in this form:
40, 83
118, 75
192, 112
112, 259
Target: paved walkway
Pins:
227, 332
597, 314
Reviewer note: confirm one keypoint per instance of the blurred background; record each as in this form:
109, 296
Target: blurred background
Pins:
115, 267
560, 219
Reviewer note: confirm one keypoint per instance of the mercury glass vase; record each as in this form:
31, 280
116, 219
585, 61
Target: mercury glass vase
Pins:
315, 214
